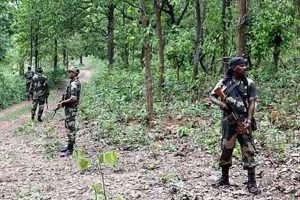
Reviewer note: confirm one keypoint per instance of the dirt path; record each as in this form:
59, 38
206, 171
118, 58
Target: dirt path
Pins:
32, 169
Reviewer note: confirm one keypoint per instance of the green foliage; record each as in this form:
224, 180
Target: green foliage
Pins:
271, 19
12, 89
108, 158
97, 189
26, 129
56, 78
82, 160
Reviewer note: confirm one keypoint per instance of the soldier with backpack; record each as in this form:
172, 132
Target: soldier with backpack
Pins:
28, 76
241, 94
40, 89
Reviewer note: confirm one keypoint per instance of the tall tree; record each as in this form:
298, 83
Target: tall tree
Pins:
160, 43
110, 30
225, 35
147, 61
241, 28
197, 51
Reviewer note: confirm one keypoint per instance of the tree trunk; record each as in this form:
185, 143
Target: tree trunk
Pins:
198, 47
21, 68
146, 50
64, 54
225, 38
31, 45
241, 28
276, 54
161, 43
55, 56
36, 50
110, 28
81, 59
125, 49
298, 9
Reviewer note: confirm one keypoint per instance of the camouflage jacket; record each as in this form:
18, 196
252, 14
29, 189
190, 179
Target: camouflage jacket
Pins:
73, 90
28, 76
39, 86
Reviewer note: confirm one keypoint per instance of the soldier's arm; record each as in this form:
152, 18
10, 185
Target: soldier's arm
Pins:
214, 98
252, 100
251, 110
73, 97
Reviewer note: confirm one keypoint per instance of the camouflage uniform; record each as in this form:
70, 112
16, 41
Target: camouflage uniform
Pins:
40, 89
73, 90
238, 97
28, 76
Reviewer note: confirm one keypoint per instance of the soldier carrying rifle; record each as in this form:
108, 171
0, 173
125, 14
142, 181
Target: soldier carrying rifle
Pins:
238, 95
70, 102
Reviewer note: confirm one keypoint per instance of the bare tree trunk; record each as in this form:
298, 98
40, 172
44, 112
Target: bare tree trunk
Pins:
31, 44
81, 59
225, 38
55, 56
36, 50
125, 49
110, 28
276, 53
161, 43
241, 28
197, 50
148, 74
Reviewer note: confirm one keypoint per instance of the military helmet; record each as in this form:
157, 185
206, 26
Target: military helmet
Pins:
74, 69
40, 70
234, 61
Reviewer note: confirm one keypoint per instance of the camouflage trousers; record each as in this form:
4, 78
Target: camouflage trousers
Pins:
38, 102
70, 115
229, 136
27, 90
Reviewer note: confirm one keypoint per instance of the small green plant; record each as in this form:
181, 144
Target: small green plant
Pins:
107, 158
183, 131
26, 129
97, 189
82, 160
165, 177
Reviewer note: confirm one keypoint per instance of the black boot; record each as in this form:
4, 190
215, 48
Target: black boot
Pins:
251, 185
66, 148
32, 117
224, 179
40, 118
68, 151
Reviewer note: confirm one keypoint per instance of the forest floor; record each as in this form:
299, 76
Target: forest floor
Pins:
31, 167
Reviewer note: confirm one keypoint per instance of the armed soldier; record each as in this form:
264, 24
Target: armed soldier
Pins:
71, 102
28, 76
40, 89
238, 113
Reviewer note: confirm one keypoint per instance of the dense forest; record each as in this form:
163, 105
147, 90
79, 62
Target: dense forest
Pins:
154, 64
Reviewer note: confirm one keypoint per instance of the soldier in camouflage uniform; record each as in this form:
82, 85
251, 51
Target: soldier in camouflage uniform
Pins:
241, 94
40, 89
71, 102
28, 76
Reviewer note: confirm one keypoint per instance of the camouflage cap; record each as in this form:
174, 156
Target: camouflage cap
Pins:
74, 69
40, 70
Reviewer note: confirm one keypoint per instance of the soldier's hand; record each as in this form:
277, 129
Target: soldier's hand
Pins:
247, 123
223, 106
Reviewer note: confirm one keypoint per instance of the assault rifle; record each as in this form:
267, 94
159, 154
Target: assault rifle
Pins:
57, 108
241, 126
